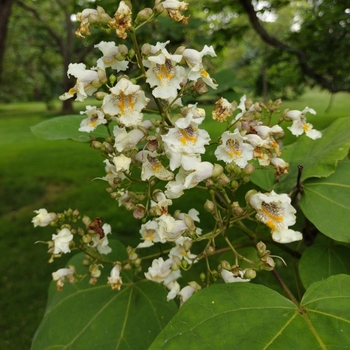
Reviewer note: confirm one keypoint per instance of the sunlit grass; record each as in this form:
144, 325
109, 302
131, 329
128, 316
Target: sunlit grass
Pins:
35, 173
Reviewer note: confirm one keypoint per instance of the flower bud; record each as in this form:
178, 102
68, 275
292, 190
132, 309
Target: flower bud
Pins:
146, 49
86, 239
202, 277
249, 194
223, 180
201, 87
187, 245
249, 169
99, 95
210, 250
249, 273
189, 223
217, 170
209, 206
96, 144
225, 265
139, 211
112, 79
143, 16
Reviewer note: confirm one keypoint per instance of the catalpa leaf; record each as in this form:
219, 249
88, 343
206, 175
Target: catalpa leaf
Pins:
246, 316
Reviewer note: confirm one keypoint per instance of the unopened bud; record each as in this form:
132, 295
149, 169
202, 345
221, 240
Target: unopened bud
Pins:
99, 95
202, 277
249, 169
209, 206
217, 170
189, 222
187, 244
249, 194
143, 16
146, 49
225, 265
86, 239
139, 212
249, 273
223, 180
112, 79
201, 87
96, 144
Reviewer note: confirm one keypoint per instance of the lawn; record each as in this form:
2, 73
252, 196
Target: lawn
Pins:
56, 175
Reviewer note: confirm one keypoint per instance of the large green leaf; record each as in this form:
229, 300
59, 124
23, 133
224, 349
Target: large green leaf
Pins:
95, 317
318, 157
247, 316
325, 202
320, 261
66, 127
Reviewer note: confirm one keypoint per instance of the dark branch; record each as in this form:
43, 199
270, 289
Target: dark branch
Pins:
272, 41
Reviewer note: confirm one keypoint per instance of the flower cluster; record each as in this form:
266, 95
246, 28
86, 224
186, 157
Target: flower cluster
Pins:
169, 151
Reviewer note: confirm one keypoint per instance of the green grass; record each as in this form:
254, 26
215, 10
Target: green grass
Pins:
56, 175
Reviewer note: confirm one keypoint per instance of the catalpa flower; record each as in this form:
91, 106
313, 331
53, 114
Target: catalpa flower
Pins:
88, 81
275, 211
300, 125
151, 166
164, 74
233, 149
229, 277
170, 229
115, 280
191, 115
183, 146
125, 140
194, 60
60, 275
174, 9
149, 234
61, 241
127, 100
161, 271
223, 109
110, 51
188, 179
101, 244
122, 20
43, 218
95, 118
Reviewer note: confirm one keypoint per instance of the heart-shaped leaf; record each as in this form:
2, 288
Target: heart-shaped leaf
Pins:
66, 127
325, 202
320, 261
248, 316
83, 317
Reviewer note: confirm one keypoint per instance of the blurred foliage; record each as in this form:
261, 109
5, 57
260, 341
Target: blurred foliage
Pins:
34, 67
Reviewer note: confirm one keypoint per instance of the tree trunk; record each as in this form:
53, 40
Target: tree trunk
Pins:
5, 12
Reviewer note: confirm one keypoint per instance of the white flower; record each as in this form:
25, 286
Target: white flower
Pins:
300, 125
187, 291
229, 277
275, 211
102, 243
188, 179
174, 8
110, 51
115, 280
126, 100
183, 146
60, 276
164, 74
88, 81
161, 271
243, 108
61, 241
43, 218
180, 250
233, 149
169, 228
191, 115
122, 163
95, 118
223, 109
149, 234
174, 289
125, 140
194, 60
151, 166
